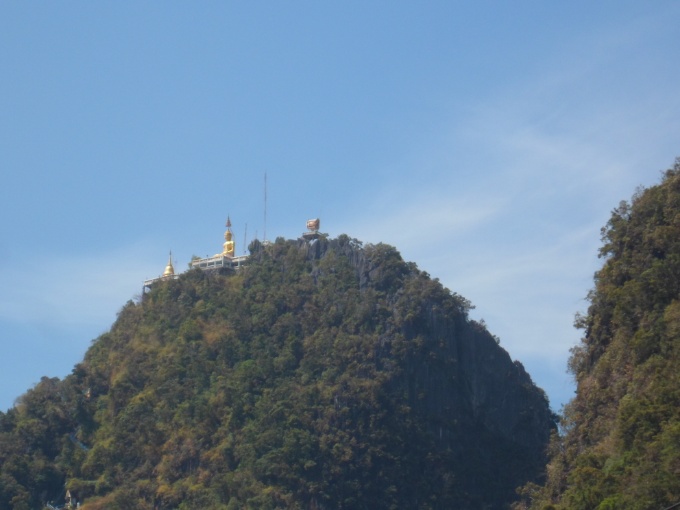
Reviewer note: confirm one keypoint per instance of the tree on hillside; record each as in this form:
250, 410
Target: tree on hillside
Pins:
621, 443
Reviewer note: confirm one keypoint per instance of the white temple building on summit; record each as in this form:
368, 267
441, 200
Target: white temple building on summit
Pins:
226, 259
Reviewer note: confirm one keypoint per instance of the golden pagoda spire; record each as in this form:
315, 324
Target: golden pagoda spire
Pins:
169, 269
229, 246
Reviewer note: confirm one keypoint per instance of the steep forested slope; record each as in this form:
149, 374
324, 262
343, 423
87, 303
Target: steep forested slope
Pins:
323, 375
622, 444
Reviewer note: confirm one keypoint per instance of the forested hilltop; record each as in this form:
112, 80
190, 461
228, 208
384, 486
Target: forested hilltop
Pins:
324, 375
621, 448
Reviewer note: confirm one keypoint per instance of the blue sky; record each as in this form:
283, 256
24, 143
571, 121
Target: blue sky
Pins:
487, 141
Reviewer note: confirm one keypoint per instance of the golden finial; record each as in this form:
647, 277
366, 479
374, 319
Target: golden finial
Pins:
169, 269
229, 247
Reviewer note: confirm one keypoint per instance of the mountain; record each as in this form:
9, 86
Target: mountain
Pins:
621, 443
322, 375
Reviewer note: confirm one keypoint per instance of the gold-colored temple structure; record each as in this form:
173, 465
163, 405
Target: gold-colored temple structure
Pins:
229, 245
169, 269
312, 229
226, 259
168, 274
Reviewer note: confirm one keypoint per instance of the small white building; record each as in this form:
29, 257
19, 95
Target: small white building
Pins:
226, 259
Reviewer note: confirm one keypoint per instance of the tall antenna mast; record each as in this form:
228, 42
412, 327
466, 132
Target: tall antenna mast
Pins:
245, 236
265, 207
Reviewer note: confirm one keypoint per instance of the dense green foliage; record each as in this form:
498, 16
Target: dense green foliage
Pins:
621, 448
323, 375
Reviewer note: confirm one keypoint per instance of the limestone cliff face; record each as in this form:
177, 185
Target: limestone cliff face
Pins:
475, 400
481, 376
323, 375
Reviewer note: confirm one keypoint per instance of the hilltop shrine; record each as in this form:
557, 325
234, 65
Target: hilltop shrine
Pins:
227, 259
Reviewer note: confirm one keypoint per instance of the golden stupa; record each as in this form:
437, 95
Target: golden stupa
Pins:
169, 269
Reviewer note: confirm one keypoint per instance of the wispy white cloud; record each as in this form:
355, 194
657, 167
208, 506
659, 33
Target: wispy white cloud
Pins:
419, 219
538, 168
62, 292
